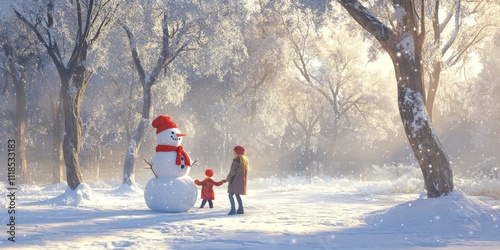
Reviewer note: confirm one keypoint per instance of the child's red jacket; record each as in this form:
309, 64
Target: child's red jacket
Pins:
207, 189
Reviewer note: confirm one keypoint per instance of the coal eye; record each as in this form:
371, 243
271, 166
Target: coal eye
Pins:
173, 132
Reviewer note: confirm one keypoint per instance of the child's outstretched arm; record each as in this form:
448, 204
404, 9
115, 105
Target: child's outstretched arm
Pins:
200, 183
219, 183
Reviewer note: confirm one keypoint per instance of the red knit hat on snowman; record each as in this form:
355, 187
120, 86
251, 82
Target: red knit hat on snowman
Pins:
162, 123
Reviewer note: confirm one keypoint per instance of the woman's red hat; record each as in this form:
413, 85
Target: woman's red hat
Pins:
239, 150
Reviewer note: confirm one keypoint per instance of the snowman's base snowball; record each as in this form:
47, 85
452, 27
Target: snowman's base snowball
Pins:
171, 194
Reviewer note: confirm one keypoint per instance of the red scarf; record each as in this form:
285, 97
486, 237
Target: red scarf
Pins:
180, 151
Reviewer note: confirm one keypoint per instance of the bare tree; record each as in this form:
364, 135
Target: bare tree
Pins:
307, 117
166, 56
265, 59
404, 42
328, 64
177, 36
15, 70
484, 102
91, 18
453, 39
175, 28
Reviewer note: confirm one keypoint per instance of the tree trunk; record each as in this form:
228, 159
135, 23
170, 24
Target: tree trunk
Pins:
253, 108
433, 86
72, 99
71, 70
404, 46
135, 143
330, 164
19, 121
71, 143
57, 138
20, 128
165, 58
427, 148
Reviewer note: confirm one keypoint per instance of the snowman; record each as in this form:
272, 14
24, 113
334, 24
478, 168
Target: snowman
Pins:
172, 190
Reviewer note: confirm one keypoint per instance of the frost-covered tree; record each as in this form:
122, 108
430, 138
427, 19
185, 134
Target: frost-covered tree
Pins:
27, 65
52, 120
326, 59
169, 39
456, 31
17, 56
484, 103
305, 115
256, 82
402, 37
68, 30
263, 64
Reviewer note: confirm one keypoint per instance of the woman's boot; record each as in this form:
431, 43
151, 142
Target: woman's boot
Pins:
240, 210
231, 200
240, 204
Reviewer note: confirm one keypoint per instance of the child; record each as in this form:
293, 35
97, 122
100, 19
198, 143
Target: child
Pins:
207, 191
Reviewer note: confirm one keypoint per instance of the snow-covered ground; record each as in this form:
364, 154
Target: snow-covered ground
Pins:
289, 213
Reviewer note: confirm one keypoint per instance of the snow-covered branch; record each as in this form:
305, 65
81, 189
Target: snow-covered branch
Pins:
370, 22
453, 37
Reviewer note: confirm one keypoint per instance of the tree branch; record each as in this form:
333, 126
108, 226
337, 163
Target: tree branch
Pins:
371, 23
455, 32
52, 48
135, 54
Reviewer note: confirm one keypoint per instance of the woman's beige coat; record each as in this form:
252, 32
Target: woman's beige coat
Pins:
237, 178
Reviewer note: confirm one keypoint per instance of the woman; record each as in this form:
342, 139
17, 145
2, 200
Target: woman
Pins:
237, 179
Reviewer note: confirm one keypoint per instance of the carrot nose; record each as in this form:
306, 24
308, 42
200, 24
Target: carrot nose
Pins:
180, 135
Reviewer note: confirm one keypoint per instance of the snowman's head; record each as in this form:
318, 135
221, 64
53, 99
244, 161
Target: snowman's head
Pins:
167, 132
170, 137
